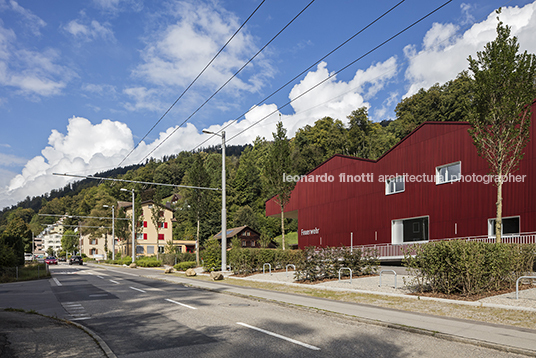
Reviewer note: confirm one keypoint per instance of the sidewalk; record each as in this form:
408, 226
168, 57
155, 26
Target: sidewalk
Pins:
32, 335
502, 337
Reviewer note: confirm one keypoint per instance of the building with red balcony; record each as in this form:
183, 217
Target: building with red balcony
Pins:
432, 185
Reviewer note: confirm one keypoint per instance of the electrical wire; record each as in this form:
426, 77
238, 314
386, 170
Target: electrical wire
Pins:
304, 71
192, 83
344, 68
229, 80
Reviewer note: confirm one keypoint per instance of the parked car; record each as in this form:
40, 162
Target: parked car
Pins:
62, 259
76, 260
51, 260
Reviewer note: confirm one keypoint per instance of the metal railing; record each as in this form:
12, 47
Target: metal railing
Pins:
517, 284
286, 268
388, 250
382, 271
269, 266
345, 268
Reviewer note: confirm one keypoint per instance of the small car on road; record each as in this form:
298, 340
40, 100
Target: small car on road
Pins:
51, 260
76, 260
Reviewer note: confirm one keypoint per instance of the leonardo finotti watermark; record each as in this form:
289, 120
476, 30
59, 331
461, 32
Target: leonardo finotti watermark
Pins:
407, 178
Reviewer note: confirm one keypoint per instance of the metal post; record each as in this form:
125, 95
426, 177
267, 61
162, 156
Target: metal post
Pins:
113, 232
133, 227
223, 208
223, 204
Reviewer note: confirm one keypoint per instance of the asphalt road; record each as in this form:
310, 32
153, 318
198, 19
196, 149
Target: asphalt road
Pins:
142, 317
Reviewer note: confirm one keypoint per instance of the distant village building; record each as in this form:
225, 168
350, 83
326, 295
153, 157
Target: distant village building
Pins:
152, 239
248, 237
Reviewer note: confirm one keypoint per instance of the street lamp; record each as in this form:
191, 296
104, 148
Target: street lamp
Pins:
223, 210
133, 227
113, 229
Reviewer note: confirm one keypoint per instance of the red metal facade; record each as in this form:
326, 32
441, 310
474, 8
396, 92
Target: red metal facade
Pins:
457, 209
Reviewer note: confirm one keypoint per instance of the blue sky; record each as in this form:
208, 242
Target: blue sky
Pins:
83, 82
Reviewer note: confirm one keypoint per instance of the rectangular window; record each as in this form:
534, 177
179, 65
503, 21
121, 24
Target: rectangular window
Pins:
150, 250
409, 230
253, 243
243, 243
139, 236
139, 250
161, 249
448, 173
394, 185
510, 226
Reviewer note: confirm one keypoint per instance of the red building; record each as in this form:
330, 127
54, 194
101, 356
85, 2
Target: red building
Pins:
431, 185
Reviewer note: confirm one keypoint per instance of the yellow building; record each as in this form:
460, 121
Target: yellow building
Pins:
151, 237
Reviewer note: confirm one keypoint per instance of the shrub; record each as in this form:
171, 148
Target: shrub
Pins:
467, 268
127, 260
150, 261
185, 265
172, 258
212, 255
325, 263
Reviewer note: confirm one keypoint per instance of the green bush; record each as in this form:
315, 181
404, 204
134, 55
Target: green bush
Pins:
211, 255
150, 261
183, 266
468, 267
171, 259
325, 263
249, 260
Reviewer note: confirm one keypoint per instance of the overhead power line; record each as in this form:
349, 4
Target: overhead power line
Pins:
304, 71
133, 181
225, 84
192, 83
344, 68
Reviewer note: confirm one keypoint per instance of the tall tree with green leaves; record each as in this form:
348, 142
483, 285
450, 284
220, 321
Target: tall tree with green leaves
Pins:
197, 199
276, 166
504, 89
69, 241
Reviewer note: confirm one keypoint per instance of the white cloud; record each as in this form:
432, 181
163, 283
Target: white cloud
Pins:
32, 22
144, 99
444, 55
8, 160
88, 148
175, 55
31, 72
91, 31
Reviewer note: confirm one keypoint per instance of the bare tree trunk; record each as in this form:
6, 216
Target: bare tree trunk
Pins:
197, 245
498, 220
282, 228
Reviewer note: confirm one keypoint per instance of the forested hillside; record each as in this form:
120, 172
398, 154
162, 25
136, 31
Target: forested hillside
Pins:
247, 187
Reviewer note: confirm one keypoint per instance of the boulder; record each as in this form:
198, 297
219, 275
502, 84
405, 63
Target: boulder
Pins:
133, 265
169, 269
191, 272
216, 276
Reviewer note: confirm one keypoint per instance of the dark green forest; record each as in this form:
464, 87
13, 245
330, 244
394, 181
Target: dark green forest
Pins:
247, 184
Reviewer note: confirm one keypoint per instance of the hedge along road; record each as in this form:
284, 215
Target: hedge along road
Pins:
138, 316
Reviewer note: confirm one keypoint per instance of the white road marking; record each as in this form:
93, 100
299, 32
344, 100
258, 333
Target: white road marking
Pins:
80, 318
280, 336
114, 282
137, 289
57, 282
124, 273
99, 276
182, 304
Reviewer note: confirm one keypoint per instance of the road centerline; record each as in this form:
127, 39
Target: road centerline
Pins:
137, 289
181, 304
279, 336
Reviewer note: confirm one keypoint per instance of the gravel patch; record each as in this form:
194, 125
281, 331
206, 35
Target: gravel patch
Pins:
526, 301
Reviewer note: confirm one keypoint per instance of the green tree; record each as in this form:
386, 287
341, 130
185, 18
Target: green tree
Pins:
197, 199
278, 165
504, 89
69, 241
